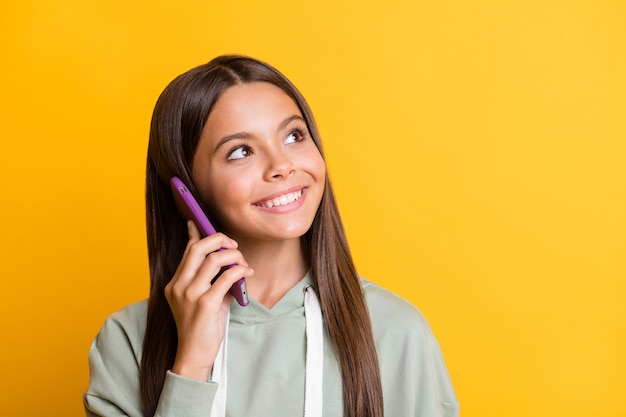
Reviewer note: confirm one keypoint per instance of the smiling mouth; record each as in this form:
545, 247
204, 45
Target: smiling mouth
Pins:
282, 200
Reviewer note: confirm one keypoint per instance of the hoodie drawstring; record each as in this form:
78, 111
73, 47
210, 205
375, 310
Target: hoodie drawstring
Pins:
313, 393
219, 375
314, 354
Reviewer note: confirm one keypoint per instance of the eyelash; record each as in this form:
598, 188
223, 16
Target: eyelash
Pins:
241, 146
301, 133
300, 136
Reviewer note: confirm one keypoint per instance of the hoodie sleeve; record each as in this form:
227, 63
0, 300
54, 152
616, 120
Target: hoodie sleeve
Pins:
114, 359
415, 379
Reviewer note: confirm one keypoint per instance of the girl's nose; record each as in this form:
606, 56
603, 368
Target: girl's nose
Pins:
279, 166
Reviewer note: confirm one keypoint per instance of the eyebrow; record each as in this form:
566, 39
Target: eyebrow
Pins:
246, 135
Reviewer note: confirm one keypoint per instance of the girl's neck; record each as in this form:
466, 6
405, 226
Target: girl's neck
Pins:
278, 266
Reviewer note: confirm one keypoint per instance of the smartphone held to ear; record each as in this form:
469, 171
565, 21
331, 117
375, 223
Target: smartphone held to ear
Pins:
190, 209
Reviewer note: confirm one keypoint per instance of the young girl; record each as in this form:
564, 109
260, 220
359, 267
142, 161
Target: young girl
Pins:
315, 339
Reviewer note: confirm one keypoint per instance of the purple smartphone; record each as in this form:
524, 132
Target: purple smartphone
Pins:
190, 209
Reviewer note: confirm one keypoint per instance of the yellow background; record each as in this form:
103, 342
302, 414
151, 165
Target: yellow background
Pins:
478, 150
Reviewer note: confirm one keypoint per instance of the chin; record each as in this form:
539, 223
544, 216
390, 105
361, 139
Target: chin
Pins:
268, 233
290, 234
283, 233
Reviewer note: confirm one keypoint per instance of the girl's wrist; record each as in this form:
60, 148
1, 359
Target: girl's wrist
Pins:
194, 371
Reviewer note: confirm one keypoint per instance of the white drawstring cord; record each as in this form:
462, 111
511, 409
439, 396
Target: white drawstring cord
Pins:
219, 375
313, 393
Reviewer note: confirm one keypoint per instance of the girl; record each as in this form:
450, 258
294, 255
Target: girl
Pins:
315, 339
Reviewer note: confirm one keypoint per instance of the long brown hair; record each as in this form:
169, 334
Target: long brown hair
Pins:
177, 122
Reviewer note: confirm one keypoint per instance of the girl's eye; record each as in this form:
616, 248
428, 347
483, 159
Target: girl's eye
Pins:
240, 152
294, 136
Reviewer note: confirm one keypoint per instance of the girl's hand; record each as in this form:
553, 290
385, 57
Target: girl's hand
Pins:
199, 307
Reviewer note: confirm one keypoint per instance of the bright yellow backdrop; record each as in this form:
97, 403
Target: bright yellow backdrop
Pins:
478, 149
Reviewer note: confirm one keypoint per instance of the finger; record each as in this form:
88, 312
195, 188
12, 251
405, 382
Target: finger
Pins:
197, 252
220, 288
218, 260
194, 235
213, 264
189, 282
193, 231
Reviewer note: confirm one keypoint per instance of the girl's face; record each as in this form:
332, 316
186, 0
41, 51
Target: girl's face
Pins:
257, 167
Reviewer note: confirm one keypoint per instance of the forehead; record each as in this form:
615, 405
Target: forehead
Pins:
261, 98
257, 109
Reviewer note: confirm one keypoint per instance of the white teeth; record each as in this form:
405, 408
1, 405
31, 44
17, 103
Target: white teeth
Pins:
282, 200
